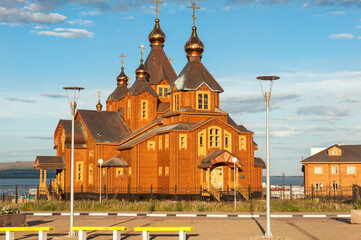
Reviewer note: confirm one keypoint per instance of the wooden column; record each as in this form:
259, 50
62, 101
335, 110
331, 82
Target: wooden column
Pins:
208, 177
202, 177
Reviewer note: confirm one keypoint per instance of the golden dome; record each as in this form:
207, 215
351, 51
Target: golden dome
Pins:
99, 106
141, 71
122, 78
157, 36
194, 46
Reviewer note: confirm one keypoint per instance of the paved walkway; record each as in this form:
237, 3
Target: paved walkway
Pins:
205, 228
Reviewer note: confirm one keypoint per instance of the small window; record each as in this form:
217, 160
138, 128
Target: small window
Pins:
351, 170
160, 93
128, 109
79, 171
166, 142
130, 171
160, 142
182, 141
144, 109
203, 101
176, 102
119, 172
160, 171
166, 171
242, 143
91, 174
151, 145
334, 152
318, 170
214, 138
334, 170
318, 186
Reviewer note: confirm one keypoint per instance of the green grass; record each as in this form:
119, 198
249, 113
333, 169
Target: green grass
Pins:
187, 206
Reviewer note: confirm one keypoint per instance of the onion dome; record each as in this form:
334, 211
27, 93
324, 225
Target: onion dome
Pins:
156, 36
99, 106
141, 72
194, 46
122, 78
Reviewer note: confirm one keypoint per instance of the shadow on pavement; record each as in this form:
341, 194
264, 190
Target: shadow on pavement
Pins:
344, 220
37, 222
303, 231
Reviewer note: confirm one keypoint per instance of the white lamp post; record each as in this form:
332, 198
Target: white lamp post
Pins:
100, 161
72, 104
234, 160
267, 97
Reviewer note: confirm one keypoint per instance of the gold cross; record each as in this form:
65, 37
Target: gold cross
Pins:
157, 8
122, 56
141, 51
171, 60
99, 92
194, 6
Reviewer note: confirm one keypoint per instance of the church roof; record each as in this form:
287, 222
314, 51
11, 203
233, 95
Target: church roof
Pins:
218, 156
258, 162
79, 135
105, 127
240, 128
349, 153
163, 106
117, 161
119, 93
159, 67
49, 162
193, 76
142, 85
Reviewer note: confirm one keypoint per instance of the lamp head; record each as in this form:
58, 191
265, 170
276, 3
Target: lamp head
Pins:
100, 161
234, 159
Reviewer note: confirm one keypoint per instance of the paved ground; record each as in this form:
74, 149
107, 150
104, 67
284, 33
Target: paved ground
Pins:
205, 228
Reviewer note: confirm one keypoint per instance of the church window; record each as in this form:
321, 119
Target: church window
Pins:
214, 137
242, 143
160, 171
129, 107
176, 102
130, 171
79, 171
144, 110
119, 172
91, 174
166, 142
182, 141
160, 142
203, 101
166, 171
104, 171
334, 170
91, 154
227, 141
151, 145
202, 143
162, 91
318, 170
351, 170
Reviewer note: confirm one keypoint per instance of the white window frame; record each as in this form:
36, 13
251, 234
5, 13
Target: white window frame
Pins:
318, 170
351, 170
334, 170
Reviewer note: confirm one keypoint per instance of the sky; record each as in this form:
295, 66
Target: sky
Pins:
313, 45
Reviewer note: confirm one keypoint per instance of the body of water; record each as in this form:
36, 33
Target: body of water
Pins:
291, 180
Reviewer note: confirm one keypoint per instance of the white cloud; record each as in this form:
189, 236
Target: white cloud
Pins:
38, 27
358, 27
80, 22
129, 18
90, 13
14, 16
337, 12
67, 33
341, 36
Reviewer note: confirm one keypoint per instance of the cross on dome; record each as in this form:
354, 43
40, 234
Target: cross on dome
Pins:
171, 60
122, 56
194, 6
99, 92
157, 8
141, 51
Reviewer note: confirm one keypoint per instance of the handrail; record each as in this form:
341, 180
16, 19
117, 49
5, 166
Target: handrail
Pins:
216, 194
244, 193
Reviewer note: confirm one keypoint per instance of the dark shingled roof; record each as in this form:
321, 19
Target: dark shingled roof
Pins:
136, 132
258, 162
159, 67
79, 135
49, 162
163, 106
141, 85
105, 127
350, 153
240, 128
193, 76
174, 127
119, 93
117, 161
212, 158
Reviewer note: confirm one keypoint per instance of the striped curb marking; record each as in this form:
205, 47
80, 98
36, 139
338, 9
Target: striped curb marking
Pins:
192, 215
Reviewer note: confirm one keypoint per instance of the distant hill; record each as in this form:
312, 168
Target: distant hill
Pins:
17, 165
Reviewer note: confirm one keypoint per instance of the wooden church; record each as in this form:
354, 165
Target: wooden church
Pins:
165, 132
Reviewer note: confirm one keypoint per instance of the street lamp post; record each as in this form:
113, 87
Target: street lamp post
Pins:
267, 97
72, 103
100, 161
234, 160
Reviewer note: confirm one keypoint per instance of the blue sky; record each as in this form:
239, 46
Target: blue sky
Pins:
314, 46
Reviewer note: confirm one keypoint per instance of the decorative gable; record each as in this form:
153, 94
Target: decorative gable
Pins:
334, 152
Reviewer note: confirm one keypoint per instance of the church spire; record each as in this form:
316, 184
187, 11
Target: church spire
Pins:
122, 78
194, 46
157, 36
141, 72
99, 105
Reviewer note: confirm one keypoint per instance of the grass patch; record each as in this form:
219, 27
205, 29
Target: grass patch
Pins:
299, 205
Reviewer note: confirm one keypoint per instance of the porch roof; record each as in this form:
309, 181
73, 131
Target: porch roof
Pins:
117, 161
218, 156
49, 162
